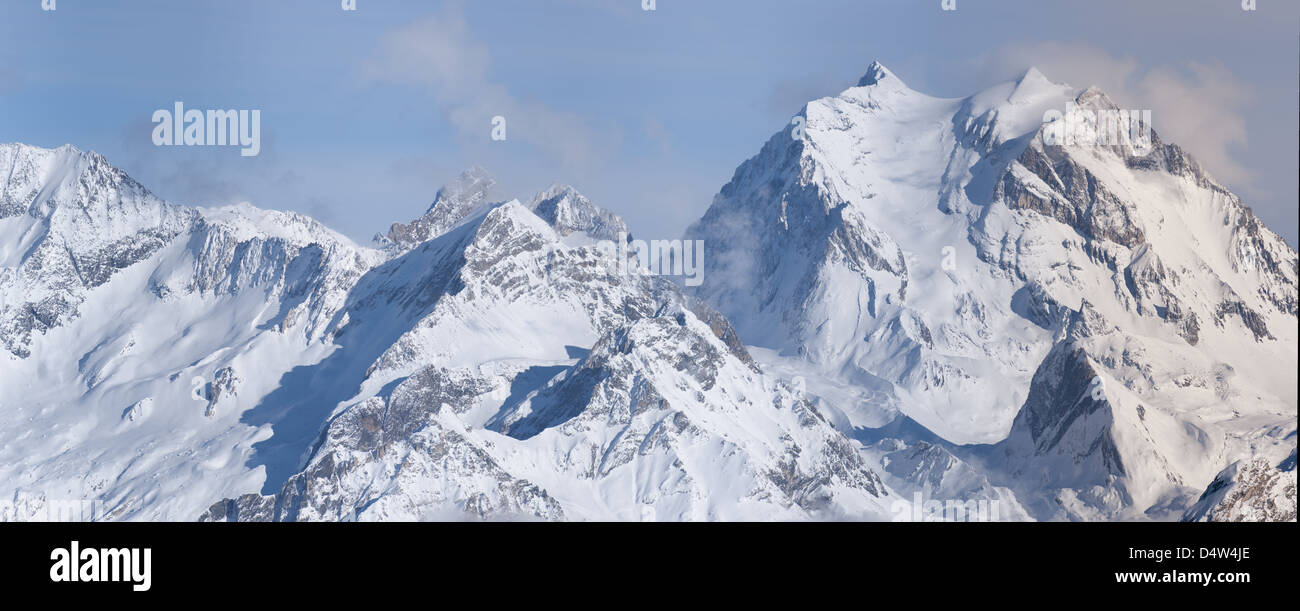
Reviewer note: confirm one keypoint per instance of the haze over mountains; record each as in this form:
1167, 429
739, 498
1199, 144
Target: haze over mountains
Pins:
904, 297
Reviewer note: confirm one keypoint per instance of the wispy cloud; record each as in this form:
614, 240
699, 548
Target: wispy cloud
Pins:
1199, 106
442, 54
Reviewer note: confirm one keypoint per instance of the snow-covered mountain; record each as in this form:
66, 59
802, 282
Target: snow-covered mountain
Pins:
138, 334
488, 359
1249, 491
908, 302
1100, 328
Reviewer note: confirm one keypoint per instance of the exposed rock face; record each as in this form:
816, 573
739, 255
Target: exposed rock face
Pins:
665, 383
1249, 491
966, 273
224, 385
568, 211
73, 222
906, 300
404, 456
454, 203
665, 387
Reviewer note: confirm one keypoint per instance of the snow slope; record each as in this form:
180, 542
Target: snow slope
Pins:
907, 300
258, 357
950, 277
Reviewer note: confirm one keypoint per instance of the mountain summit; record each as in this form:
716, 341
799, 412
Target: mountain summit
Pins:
910, 298
1100, 329
876, 73
489, 361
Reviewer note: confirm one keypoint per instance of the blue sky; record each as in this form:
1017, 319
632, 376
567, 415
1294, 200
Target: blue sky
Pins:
366, 113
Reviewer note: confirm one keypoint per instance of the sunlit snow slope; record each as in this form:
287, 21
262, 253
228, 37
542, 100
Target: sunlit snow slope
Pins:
929, 303
486, 360
1100, 328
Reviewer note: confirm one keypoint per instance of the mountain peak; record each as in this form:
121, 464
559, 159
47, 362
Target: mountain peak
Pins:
1094, 97
454, 202
66, 153
1034, 85
1032, 76
569, 211
557, 190
22, 146
810, 258
472, 185
876, 73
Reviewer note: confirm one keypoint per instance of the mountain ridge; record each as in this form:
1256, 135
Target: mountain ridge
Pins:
913, 296
910, 241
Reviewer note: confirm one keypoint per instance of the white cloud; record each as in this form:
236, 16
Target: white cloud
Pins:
442, 54
1198, 106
